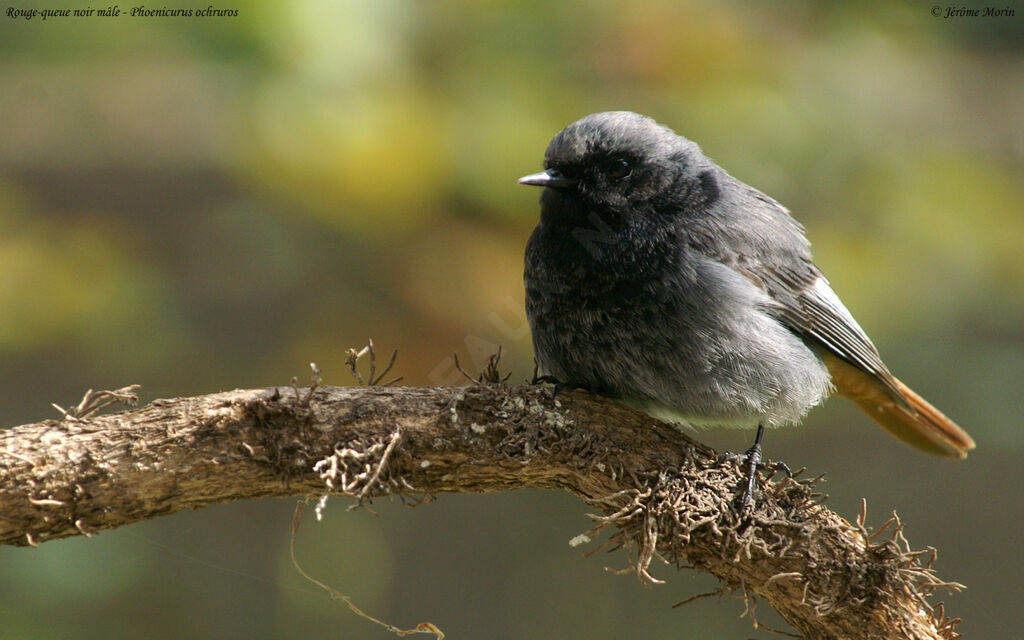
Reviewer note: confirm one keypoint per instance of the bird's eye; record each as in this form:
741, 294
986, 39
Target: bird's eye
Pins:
619, 168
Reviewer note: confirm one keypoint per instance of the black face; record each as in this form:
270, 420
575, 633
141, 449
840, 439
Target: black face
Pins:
616, 162
617, 190
605, 176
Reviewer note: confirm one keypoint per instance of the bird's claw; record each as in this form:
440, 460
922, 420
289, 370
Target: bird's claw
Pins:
559, 386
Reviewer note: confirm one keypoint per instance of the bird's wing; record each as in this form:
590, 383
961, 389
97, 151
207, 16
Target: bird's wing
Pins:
779, 259
772, 251
806, 304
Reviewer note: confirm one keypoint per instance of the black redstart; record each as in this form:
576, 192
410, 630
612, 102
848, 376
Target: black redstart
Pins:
657, 278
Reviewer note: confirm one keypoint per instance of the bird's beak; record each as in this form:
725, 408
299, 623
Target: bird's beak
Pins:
549, 178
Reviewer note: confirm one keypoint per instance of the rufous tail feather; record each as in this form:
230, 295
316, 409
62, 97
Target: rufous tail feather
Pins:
902, 412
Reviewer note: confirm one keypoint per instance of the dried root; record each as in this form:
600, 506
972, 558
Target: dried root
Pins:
353, 359
359, 471
94, 401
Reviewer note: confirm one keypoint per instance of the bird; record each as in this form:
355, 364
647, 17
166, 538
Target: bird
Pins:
656, 278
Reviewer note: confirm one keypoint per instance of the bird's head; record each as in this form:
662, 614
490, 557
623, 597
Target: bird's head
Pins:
620, 163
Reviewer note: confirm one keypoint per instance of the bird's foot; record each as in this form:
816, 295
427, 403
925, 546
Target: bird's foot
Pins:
753, 463
560, 386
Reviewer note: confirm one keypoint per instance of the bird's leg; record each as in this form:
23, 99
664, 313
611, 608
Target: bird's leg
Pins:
752, 460
753, 456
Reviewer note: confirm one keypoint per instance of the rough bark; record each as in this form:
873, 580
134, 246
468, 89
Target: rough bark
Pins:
659, 492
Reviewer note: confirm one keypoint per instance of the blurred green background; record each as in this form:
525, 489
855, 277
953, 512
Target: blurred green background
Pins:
199, 204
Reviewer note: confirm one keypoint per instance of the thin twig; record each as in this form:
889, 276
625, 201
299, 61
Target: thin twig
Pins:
391, 363
395, 437
465, 373
709, 594
423, 627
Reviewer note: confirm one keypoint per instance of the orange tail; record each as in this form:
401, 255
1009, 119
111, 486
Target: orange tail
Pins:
902, 412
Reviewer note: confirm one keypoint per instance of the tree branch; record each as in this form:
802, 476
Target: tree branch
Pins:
661, 493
